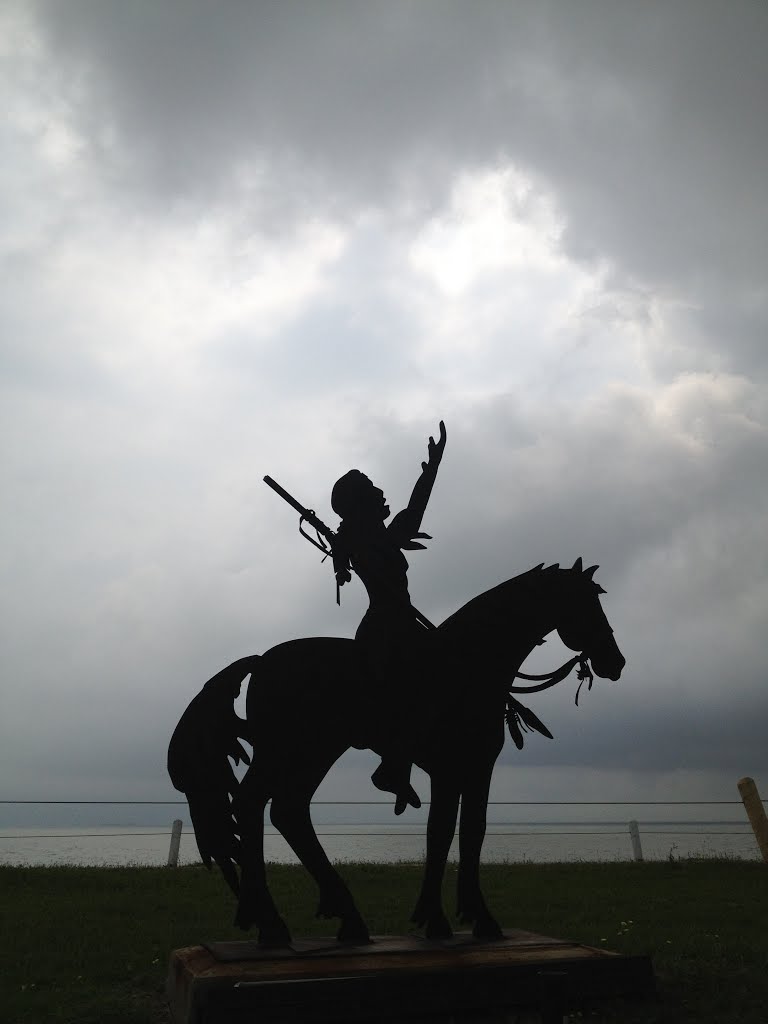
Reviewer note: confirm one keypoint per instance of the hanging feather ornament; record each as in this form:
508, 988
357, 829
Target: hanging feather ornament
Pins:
521, 719
513, 724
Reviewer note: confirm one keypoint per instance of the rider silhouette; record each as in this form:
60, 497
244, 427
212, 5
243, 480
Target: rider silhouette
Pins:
391, 629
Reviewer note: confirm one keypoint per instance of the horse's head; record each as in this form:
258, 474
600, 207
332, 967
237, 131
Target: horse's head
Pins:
580, 620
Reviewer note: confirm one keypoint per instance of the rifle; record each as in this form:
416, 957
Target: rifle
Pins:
308, 516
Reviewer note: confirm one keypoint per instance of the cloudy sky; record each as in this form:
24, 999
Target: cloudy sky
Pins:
288, 237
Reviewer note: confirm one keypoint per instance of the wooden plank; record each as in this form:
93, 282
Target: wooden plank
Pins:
319, 980
382, 945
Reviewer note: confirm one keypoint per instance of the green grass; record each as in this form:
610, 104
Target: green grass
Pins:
91, 945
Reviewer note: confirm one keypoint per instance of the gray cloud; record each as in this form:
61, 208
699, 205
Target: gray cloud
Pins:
654, 154
172, 168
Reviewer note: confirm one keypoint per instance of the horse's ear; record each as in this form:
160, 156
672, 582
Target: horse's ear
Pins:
577, 566
552, 568
590, 572
537, 567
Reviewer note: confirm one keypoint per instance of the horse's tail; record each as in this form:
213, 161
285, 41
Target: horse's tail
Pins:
207, 735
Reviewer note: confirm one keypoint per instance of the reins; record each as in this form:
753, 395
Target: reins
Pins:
552, 678
521, 719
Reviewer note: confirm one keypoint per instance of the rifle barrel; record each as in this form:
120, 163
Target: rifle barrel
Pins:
305, 513
284, 494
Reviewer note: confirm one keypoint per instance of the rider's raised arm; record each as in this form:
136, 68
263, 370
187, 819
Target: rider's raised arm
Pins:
407, 523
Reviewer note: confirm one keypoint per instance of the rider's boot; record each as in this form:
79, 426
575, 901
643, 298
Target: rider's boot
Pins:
394, 776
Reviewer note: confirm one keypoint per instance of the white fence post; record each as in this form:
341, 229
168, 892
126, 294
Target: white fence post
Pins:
753, 805
634, 835
173, 852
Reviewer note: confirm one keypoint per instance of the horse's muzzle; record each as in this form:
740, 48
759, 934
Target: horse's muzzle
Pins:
608, 664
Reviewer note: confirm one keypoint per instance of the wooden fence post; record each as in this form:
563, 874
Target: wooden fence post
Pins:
173, 852
634, 835
756, 813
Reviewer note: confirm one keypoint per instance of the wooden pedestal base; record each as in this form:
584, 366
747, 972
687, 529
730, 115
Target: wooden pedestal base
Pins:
524, 977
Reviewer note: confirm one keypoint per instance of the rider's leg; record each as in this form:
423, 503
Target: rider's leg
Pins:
399, 737
402, 720
399, 665
394, 776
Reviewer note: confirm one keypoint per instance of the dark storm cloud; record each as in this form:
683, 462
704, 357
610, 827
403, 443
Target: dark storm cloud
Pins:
646, 122
656, 729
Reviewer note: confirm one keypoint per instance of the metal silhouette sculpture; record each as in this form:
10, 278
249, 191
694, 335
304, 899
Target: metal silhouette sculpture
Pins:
413, 693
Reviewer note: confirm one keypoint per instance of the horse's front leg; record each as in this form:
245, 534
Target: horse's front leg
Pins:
470, 902
441, 827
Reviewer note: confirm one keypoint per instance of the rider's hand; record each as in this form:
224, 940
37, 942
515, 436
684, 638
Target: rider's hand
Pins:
435, 449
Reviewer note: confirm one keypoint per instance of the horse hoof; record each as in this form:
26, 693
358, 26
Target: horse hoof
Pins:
354, 934
422, 913
275, 935
244, 918
438, 928
488, 930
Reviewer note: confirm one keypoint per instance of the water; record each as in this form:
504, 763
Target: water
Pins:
388, 843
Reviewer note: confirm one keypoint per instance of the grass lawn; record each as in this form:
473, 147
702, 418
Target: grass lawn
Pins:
91, 945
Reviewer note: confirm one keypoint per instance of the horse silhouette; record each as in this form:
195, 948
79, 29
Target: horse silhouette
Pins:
309, 700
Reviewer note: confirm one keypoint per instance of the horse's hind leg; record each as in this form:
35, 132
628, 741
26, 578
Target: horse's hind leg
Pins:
255, 905
290, 815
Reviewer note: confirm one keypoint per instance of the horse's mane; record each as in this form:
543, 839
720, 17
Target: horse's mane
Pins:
496, 604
